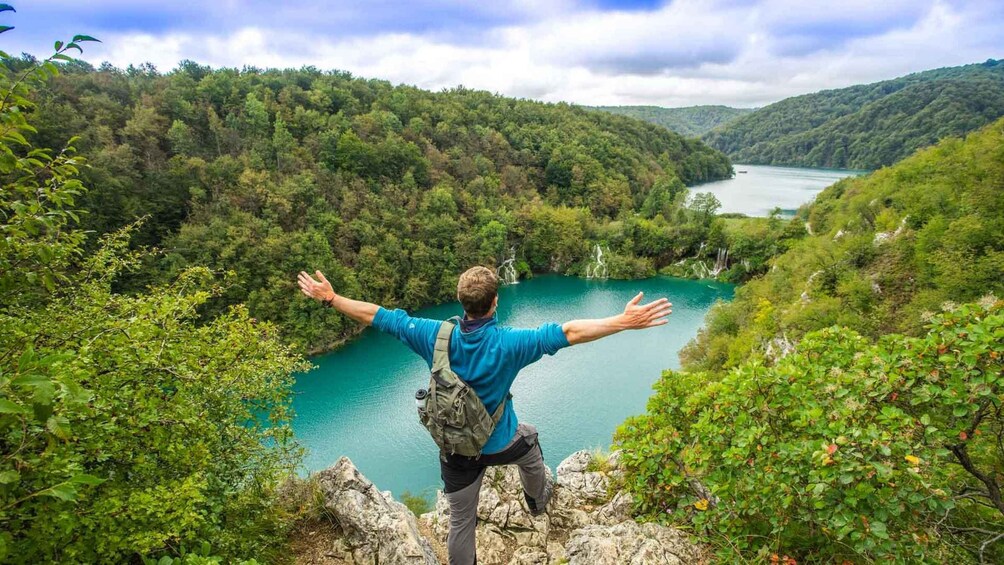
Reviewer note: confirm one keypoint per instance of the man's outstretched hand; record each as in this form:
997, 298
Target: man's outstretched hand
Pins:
316, 289
636, 317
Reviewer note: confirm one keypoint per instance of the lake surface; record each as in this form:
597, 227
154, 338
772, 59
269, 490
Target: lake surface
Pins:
761, 188
359, 401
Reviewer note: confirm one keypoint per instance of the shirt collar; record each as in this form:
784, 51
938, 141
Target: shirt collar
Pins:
468, 326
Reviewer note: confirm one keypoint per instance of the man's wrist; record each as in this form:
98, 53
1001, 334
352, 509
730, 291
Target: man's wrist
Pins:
329, 300
620, 322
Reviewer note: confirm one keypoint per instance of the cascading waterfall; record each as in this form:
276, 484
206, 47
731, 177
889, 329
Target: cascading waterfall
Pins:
597, 269
701, 269
722, 262
506, 271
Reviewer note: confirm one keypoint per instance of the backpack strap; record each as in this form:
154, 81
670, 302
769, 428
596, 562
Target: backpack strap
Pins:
441, 352
500, 410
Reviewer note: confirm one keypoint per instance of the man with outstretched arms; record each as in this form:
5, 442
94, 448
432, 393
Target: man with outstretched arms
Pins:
487, 357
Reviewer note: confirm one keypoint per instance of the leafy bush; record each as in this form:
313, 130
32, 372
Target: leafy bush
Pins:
129, 426
844, 449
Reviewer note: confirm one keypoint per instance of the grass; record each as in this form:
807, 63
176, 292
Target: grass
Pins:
599, 462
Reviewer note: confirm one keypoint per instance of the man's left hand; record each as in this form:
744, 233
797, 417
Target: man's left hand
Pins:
316, 289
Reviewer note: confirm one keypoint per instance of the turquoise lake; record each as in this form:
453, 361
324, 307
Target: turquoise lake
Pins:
761, 188
359, 400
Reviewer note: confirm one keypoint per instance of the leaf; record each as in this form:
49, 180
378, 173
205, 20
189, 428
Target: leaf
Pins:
8, 407
62, 491
8, 477
7, 8
59, 426
6, 28
912, 459
31, 379
82, 38
85, 479
701, 504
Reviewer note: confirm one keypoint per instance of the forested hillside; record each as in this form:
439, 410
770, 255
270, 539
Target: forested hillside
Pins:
887, 248
867, 126
847, 405
692, 121
391, 191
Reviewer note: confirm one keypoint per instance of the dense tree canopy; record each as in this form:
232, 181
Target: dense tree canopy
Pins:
867, 126
392, 191
692, 121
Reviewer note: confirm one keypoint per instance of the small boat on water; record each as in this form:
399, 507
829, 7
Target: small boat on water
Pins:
741, 172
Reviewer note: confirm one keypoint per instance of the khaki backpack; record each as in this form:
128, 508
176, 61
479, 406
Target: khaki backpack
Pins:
453, 412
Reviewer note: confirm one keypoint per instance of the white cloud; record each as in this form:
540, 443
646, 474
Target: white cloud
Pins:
688, 52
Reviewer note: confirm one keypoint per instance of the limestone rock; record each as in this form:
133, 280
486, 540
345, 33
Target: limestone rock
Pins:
630, 543
580, 485
377, 528
585, 510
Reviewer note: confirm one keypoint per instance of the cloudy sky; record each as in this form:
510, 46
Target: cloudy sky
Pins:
674, 53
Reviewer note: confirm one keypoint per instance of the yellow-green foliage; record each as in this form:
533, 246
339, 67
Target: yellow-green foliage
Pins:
887, 248
845, 449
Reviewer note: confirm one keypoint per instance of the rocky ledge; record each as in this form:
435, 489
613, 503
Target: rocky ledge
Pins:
587, 522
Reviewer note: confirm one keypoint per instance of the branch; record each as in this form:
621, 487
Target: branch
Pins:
993, 489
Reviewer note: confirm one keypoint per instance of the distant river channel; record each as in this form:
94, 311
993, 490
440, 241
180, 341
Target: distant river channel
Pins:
755, 190
359, 400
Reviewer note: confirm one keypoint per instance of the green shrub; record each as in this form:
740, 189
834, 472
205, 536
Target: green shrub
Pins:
844, 449
130, 425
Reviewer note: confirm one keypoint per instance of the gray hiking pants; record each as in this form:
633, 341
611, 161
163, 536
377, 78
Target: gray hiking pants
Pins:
464, 500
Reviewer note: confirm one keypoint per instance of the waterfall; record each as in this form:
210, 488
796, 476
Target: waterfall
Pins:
721, 262
597, 268
702, 271
506, 271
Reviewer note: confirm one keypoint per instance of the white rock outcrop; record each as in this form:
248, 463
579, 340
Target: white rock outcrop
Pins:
587, 522
630, 543
377, 529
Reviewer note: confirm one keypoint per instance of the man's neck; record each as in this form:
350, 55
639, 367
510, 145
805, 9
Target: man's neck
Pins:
469, 324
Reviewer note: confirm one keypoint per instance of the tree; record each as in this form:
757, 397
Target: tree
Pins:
128, 425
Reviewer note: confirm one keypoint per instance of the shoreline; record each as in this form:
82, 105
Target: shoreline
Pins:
359, 329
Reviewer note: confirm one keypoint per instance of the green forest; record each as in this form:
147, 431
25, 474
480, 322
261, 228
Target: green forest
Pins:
867, 126
847, 404
693, 121
389, 190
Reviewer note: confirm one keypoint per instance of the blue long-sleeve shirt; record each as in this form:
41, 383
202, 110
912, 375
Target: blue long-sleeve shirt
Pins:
487, 358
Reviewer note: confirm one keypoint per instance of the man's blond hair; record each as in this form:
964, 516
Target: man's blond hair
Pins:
476, 291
